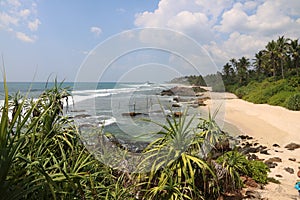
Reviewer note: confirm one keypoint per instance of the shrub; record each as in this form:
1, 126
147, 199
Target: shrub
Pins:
279, 98
258, 171
241, 92
257, 97
293, 102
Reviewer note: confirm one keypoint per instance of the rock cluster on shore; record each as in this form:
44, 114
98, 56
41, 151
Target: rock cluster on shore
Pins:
254, 151
193, 96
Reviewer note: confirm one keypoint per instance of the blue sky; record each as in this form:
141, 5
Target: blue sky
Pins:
53, 37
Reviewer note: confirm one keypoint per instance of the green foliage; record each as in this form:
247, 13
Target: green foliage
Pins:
271, 91
274, 73
279, 98
293, 102
258, 171
273, 180
176, 169
235, 165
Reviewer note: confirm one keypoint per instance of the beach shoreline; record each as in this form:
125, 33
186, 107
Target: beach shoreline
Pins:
273, 127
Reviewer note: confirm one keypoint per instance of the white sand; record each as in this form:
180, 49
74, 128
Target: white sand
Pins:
268, 125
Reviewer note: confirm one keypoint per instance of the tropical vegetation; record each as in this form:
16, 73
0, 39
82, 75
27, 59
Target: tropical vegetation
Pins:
273, 76
42, 156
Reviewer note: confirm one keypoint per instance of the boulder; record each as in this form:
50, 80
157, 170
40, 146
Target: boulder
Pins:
176, 105
275, 159
252, 194
177, 114
81, 116
292, 146
276, 145
289, 170
270, 164
250, 182
168, 92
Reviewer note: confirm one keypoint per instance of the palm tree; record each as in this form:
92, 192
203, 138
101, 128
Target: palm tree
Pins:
281, 47
271, 55
258, 62
242, 69
294, 52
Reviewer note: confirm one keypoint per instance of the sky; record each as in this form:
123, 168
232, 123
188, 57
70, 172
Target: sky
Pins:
135, 40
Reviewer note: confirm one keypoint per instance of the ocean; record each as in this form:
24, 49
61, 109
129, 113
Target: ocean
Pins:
108, 105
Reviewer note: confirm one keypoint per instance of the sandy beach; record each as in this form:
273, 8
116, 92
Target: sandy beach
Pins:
268, 125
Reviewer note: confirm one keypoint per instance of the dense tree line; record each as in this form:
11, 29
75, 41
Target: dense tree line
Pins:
272, 78
279, 59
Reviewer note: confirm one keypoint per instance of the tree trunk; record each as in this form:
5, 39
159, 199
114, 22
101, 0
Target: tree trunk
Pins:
282, 71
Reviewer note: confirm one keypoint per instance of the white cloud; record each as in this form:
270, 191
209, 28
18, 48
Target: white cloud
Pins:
227, 28
120, 10
15, 3
34, 25
7, 20
25, 38
96, 30
25, 13
19, 17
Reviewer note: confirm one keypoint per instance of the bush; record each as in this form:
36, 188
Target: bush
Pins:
280, 98
293, 102
258, 97
258, 171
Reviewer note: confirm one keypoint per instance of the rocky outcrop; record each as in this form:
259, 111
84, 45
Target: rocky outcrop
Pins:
183, 91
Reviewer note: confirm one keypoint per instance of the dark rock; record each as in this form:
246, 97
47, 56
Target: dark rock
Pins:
276, 145
168, 92
198, 89
131, 114
250, 182
176, 105
252, 194
223, 146
176, 99
256, 143
264, 152
183, 91
86, 126
77, 110
248, 144
275, 159
243, 137
177, 114
254, 157
131, 146
270, 164
289, 170
81, 116
278, 175
292, 159
200, 102
292, 146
